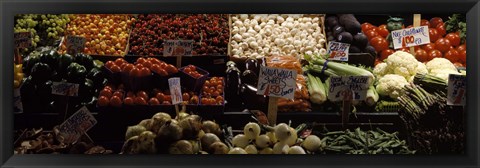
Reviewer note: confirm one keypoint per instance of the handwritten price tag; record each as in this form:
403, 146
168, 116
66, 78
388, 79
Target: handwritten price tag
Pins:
277, 82
338, 51
348, 88
77, 125
456, 90
65, 89
410, 37
177, 47
175, 90
23, 39
75, 44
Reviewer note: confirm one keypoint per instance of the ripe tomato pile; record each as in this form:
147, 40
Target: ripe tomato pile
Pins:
212, 91
116, 98
209, 31
142, 67
442, 44
192, 71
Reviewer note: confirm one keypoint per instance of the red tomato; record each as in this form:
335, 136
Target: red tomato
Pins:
140, 60
145, 72
127, 68
115, 69
462, 56
424, 22
140, 101
383, 26
130, 94
118, 94
185, 96
441, 29
367, 26
119, 61
162, 72
171, 69
377, 61
154, 60
453, 38
458, 64
139, 66
404, 50
462, 47
452, 55
128, 101
383, 32
135, 72
160, 97
409, 26
142, 94
103, 101
371, 34
105, 92
385, 53
428, 47
147, 64
379, 43
435, 21
421, 55
154, 101
109, 64
434, 54
442, 45
115, 101
434, 36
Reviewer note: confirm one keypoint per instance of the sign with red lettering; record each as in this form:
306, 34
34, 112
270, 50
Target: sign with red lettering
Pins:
410, 37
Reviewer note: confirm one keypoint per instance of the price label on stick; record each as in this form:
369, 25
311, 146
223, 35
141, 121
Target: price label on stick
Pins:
277, 82
65, 89
177, 47
456, 90
348, 88
75, 44
410, 37
77, 125
338, 51
175, 90
23, 39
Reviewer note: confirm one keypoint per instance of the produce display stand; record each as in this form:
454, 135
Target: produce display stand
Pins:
113, 122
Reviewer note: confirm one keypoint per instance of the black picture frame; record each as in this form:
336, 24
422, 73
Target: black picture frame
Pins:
9, 8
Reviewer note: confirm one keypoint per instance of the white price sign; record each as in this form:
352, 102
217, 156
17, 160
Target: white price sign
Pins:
175, 90
456, 90
65, 89
277, 82
177, 47
410, 37
338, 51
348, 88
77, 125
23, 39
75, 44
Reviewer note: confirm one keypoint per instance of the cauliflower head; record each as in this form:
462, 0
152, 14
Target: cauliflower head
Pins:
391, 85
403, 64
381, 69
440, 63
443, 73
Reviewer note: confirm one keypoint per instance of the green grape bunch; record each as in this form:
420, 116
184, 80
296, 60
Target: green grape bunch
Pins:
46, 29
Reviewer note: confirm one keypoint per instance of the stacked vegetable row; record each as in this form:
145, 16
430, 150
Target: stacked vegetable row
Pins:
447, 39
46, 66
209, 32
